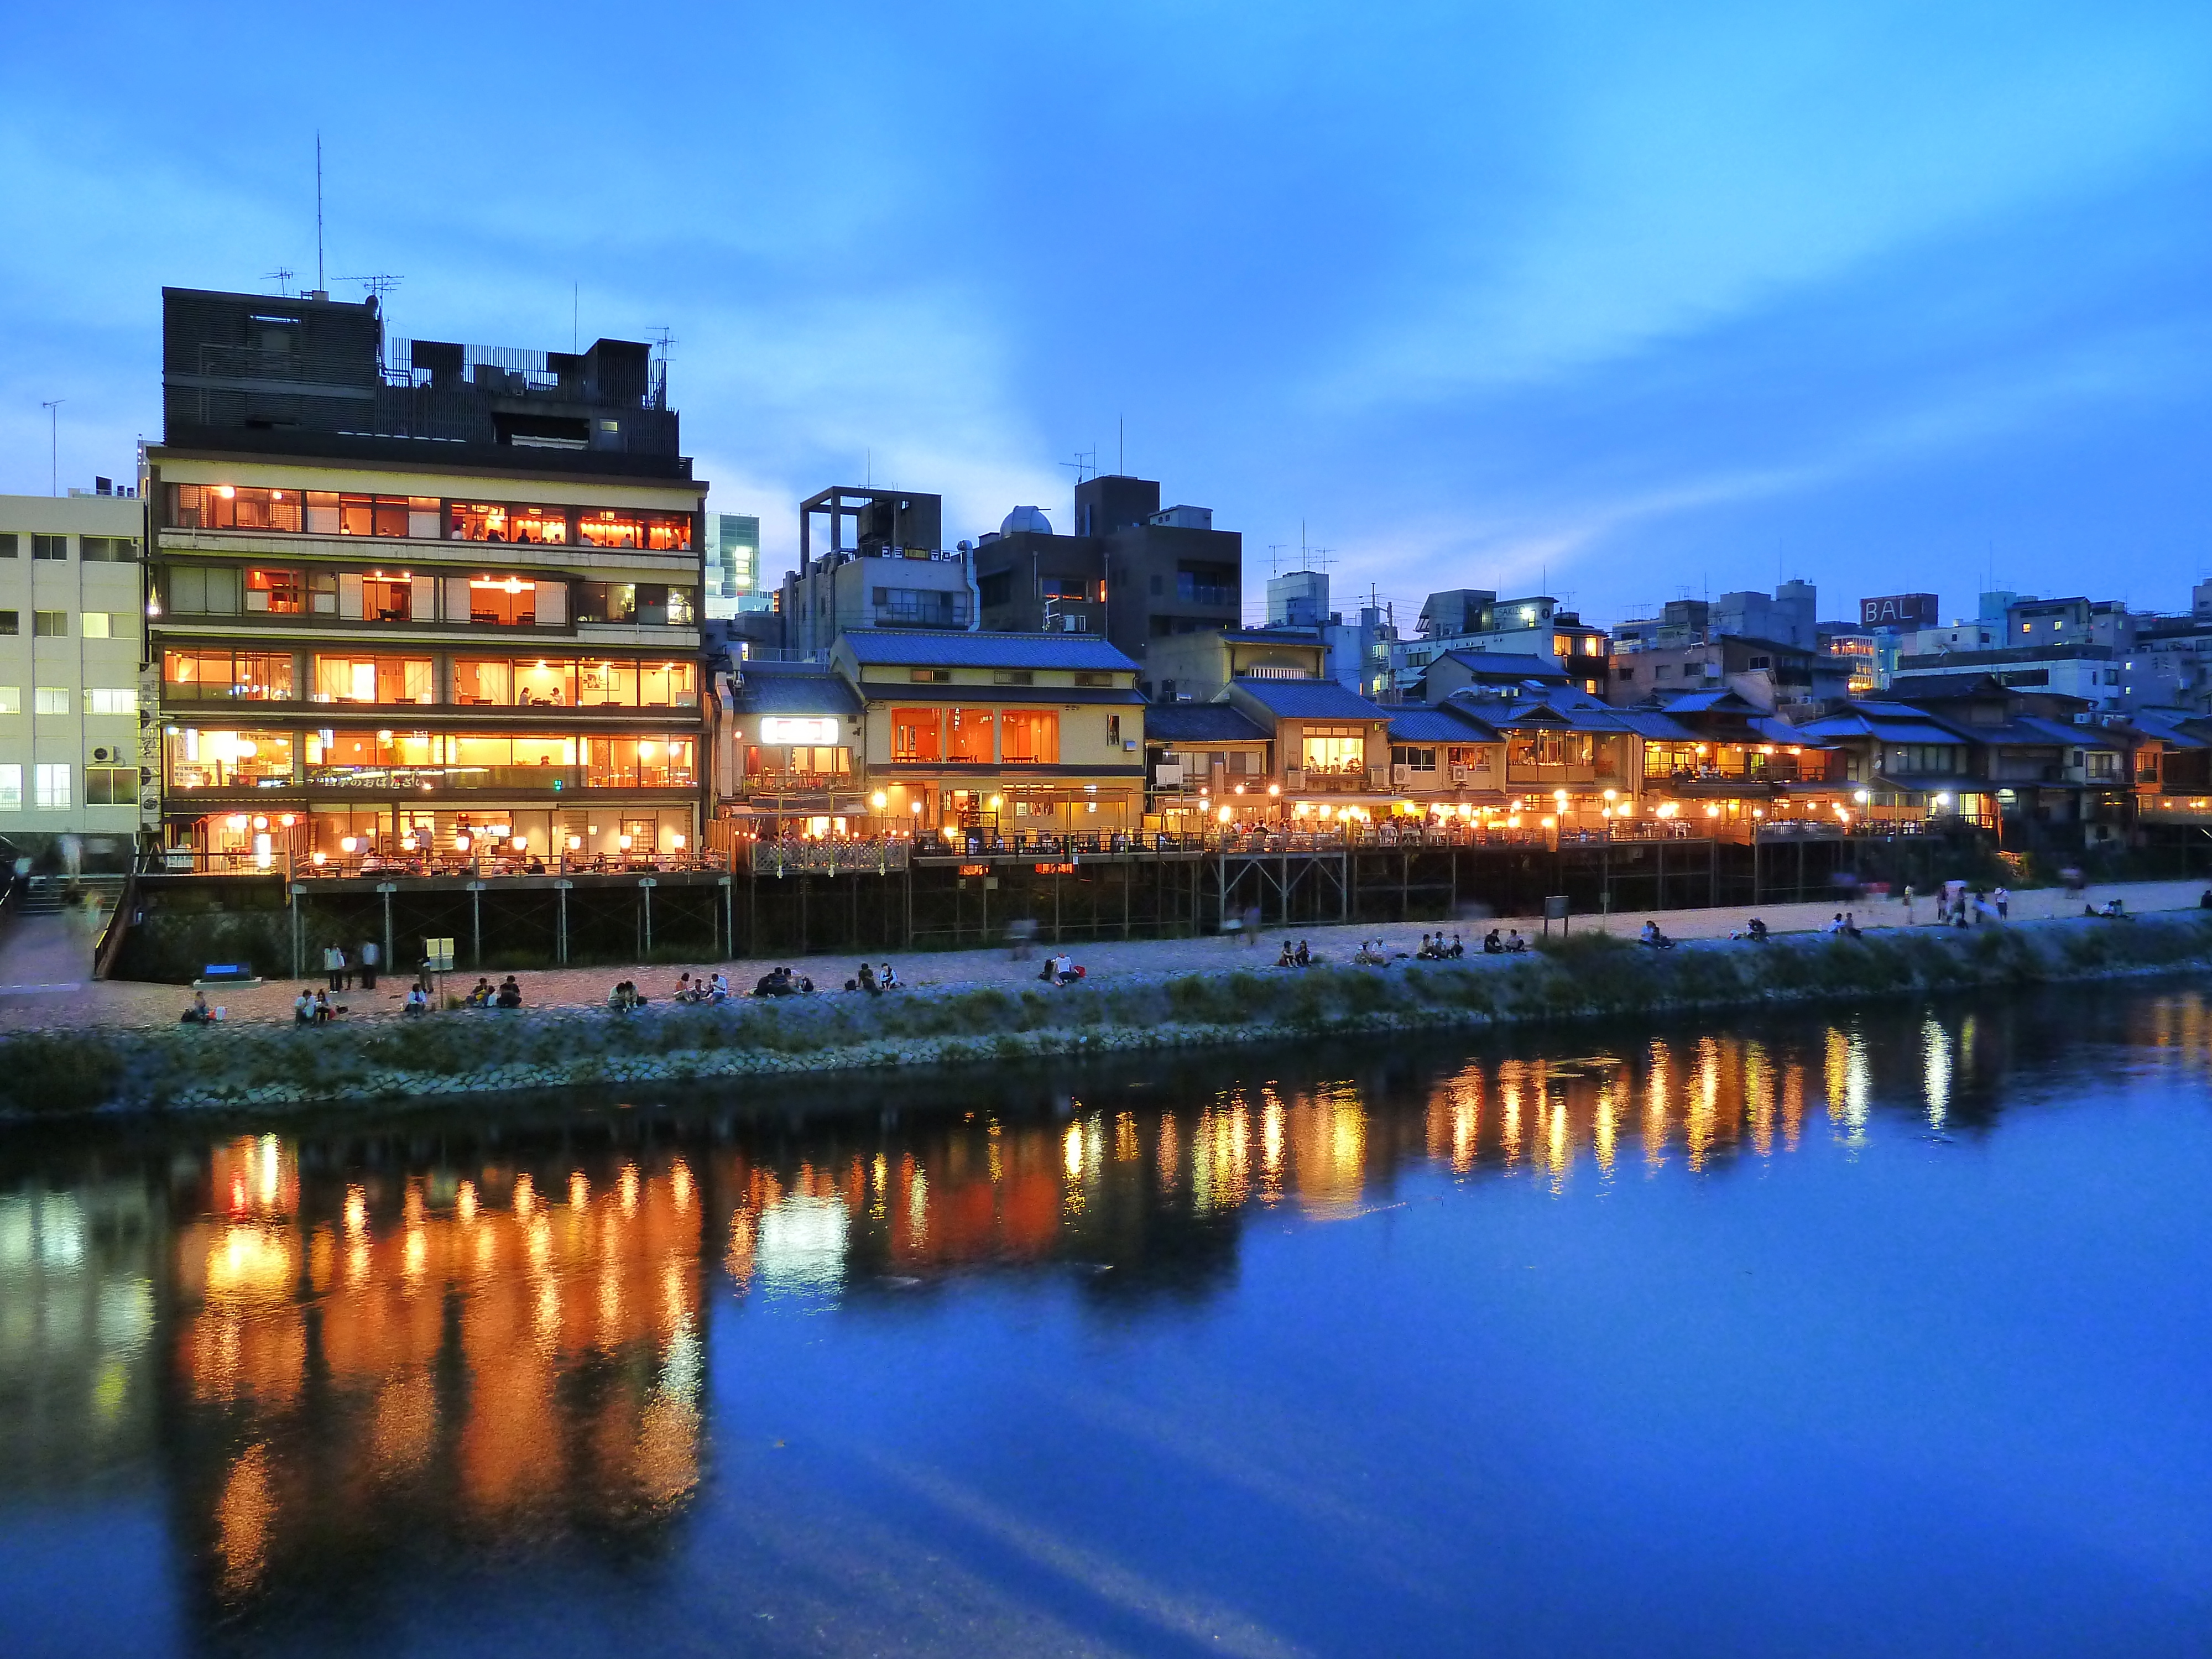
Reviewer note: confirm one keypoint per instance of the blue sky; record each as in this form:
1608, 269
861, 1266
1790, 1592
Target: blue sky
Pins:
1629, 300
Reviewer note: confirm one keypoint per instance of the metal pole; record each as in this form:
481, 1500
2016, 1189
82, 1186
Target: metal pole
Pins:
561, 899
475, 918
299, 945
388, 888
729, 887
646, 885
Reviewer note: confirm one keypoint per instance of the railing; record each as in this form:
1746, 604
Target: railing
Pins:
796, 783
879, 854
356, 866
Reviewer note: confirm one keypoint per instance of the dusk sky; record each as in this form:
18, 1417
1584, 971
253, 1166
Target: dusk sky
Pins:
1629, 300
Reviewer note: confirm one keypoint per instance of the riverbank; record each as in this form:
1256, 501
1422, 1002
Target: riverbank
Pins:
1589, 976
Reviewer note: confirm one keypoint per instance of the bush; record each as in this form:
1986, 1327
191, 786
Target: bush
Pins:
47, 1072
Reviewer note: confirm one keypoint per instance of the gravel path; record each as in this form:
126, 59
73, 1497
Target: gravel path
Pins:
45, 962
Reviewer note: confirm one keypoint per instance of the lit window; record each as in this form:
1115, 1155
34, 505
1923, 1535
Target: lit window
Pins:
95, 625
111, 700
51, 781
12, 699
11, 788
50, 700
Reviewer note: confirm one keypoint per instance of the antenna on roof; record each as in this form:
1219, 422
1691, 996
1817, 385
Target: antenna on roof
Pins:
663, 339
319, 284
1084, 457
282, 278
382, 283
1121, 446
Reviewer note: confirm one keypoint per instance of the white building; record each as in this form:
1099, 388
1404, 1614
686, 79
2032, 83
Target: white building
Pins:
71, 632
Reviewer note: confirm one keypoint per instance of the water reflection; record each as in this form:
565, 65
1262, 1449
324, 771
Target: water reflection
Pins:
488, 1331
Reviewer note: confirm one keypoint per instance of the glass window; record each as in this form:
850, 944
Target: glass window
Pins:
1341, 756
111, 785
50, 700
12, 699
387, 598
916, 733
683, 607
234, 507
50, 547
1029, 737
607, 602
201, 759
11, 788
111, 700
551, 685
7, 544
50, 625
479, 680
374, 679
214, 676
94, 624
278, 593
607, 685
968, 735
369, 757
11, 622
53, 783
483, 521
641, 763
668, 685
507, 602
606, 527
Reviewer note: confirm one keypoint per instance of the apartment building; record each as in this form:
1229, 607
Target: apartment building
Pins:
70, 640
414, 597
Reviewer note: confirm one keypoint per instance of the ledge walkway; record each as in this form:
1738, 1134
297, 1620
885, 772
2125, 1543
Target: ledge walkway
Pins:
45, 962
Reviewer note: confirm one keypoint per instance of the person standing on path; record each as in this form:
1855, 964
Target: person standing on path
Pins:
2004, 904
334, 963
371, 957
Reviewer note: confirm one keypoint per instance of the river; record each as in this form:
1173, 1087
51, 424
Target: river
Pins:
1882, 1332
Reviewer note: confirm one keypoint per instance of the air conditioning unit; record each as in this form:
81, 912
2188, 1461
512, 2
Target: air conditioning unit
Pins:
1459, 777
103, 756
2083, 718
1294, 777
1400, 775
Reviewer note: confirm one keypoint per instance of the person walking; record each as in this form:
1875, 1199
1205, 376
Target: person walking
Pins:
371, 958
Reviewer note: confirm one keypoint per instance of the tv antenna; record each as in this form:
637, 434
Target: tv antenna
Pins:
52, 406
282, 278
663, 340
377, 286
1275, 557
1084, 457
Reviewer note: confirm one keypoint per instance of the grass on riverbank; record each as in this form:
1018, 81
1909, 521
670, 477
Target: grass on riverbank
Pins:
1585, 975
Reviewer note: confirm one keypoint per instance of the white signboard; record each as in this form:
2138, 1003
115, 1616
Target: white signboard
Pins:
775, 730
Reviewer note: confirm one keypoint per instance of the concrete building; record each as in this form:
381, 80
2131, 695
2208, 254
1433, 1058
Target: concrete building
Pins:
71, 633
1358, 653
733, 566
1132, 570
1476, 619
413, 599
885, 566
1199, 667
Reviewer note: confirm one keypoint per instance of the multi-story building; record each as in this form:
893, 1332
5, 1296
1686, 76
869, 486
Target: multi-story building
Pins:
69, 642
1133, 571
414, 598
891, 572
733, 565
1476, 619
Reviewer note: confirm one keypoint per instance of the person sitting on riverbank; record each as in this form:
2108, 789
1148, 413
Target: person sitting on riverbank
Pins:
325, 1013
805, 985
624, 997
1286, 960
1369, 954
2114, 909
510, 992
1304, 957
719, 989
865, 981
889, 980
1515, 944
418, 1002
1492, 944
1659, 941
1754, 930
480, 995
303, 1011
1458, 947
776, 983
1431, 949
199, 1013
1851, 926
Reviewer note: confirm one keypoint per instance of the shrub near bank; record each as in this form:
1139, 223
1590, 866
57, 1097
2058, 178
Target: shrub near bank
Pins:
1586, 975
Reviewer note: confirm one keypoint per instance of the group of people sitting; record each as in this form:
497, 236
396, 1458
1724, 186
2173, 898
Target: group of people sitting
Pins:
1301, 957
1754, 930
482, 995
1508, 945
314, 1008
782, 982
875, 983
1844, 924
1436, 950
1060, 968
707, 987
1653, 937
199, 1013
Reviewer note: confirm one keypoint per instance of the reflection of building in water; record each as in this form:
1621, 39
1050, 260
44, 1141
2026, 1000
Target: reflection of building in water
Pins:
77, 1274
486, 1350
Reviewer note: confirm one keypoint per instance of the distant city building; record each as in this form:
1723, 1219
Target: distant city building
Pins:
733, 565
1476, 619
1359, 652
71, 621
1132, 570
885, 566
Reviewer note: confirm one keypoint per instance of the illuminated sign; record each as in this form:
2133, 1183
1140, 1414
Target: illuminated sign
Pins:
773, 730
1056, 869
1898, 610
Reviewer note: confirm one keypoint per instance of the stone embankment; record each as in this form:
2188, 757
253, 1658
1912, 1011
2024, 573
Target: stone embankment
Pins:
1590, 976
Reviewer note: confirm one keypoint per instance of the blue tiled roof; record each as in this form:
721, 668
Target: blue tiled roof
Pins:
793, 689
1508, 665
1311, 700
924, 648
1437, 726
1201, 722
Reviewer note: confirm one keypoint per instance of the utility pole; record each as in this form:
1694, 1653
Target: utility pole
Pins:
53, 444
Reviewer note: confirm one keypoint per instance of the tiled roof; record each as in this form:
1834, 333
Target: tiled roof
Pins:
1323, 700
925, 648
1201, 722
1417, 725
780, 689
